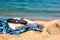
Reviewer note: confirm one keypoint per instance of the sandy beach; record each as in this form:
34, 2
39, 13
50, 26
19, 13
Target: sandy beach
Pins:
51, 31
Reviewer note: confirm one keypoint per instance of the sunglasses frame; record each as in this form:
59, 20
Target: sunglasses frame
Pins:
17, 21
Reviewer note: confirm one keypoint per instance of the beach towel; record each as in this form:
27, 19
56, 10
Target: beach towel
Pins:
5, 29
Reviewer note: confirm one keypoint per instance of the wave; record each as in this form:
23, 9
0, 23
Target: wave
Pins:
23, 10
30, 4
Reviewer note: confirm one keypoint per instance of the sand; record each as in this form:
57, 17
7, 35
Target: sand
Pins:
51, 31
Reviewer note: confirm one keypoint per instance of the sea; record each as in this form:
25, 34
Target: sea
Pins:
34, 9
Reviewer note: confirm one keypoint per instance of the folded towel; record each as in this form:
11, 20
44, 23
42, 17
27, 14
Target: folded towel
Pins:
5, 29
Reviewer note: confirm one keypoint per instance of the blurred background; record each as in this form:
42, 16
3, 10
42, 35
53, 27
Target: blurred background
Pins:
35, 9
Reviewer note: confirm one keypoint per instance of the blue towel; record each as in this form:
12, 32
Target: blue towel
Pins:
5, 29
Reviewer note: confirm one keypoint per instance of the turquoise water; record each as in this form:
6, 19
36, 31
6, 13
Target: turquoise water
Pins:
36, 9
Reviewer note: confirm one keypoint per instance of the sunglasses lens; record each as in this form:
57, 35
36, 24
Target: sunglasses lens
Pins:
11, 21
22, 22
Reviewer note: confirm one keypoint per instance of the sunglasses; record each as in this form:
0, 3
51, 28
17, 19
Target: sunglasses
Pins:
17, 21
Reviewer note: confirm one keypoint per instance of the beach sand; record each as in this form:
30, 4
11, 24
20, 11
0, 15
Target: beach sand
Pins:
51, 31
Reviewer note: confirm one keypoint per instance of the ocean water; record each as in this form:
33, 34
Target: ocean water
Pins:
35, 9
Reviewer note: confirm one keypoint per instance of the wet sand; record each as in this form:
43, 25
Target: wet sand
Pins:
51, 31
